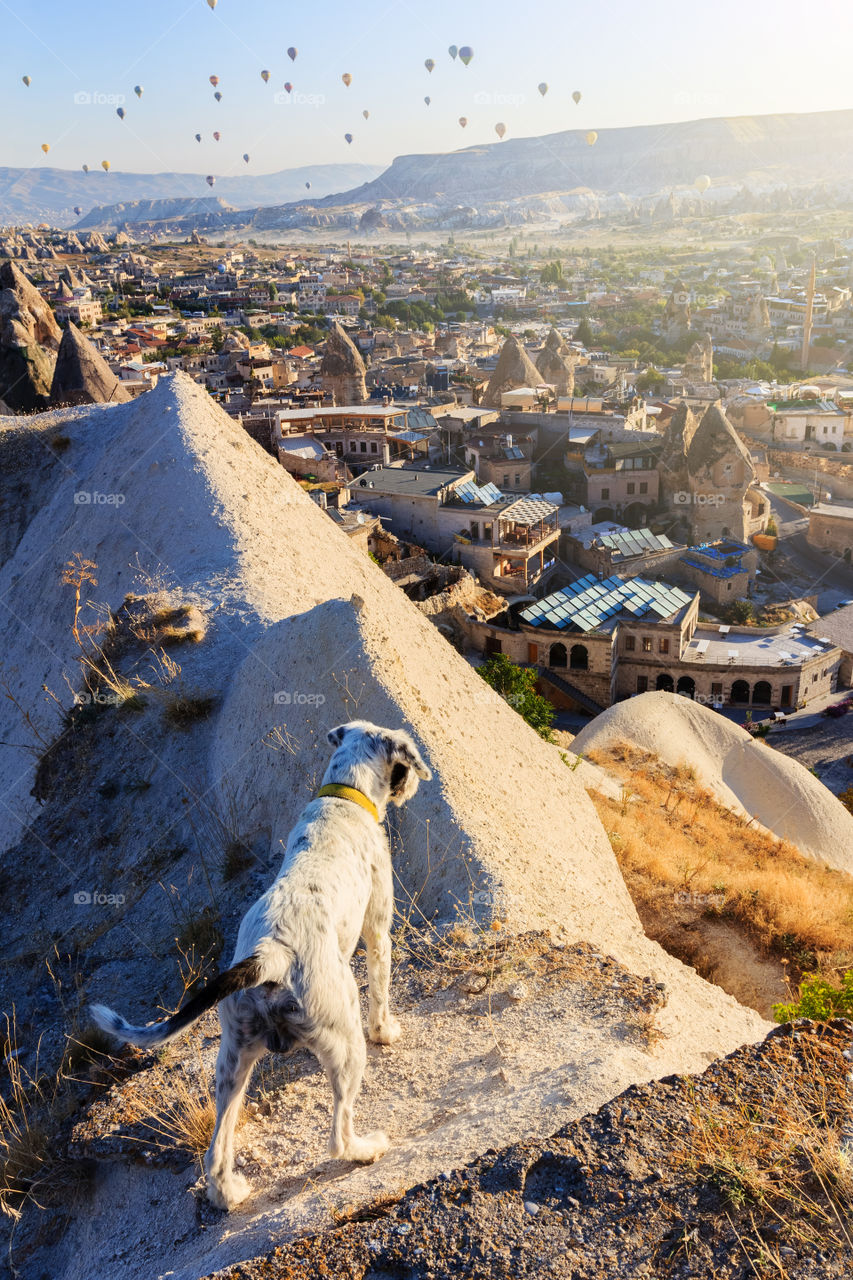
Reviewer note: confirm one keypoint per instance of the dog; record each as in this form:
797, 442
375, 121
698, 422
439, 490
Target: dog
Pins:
290, 984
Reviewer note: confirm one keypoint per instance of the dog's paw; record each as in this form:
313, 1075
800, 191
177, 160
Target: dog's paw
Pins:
228, 1192
387, 1032
367, 1149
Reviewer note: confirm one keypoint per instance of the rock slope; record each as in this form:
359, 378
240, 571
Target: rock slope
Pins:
264, 626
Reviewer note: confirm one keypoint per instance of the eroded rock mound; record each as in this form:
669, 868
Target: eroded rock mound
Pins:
342, 369
82, 375
514, 369
29, 341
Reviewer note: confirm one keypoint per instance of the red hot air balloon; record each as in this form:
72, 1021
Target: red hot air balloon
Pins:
214, 80
217, 136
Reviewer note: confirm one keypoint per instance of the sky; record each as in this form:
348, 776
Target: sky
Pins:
633, 64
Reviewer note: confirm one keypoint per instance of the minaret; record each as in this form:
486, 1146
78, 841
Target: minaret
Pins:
807, 323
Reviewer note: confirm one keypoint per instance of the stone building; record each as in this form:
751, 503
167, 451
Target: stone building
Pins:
342, 370
699, 364
831, 529
706, 475
676, 314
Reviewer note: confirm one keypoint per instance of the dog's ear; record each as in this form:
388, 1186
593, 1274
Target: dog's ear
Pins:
336, 736
406, 767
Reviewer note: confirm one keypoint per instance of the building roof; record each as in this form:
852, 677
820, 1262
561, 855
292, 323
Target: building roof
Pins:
632, 542
303, 447
837, 509
837, 627
529, 510
422, 482
591, 604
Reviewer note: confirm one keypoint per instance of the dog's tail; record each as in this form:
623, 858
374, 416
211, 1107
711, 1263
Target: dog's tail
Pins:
246, 973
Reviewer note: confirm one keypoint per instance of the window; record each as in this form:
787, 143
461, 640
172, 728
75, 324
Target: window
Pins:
579, 658
630, 644
475, 530
506, 482
518, 477
605, 493
373, 446
363, 447
644, 488
663, 645
642, 684
632, 488
647, 644
487, 532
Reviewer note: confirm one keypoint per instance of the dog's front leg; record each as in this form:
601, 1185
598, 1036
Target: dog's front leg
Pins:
381, 1026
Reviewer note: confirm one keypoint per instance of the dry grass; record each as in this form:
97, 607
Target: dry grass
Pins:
674, 841
175, 1107
185, 709
777, 1152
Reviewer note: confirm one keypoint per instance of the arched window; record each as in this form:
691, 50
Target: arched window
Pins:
664, 682
762, 693
579, 658
740, 691
686, 686
557, 656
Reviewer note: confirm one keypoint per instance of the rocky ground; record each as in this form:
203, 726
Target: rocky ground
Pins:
738, 1172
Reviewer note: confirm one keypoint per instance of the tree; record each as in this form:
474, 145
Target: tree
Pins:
649, 379
583, 333
740, 611
516, 685
273, 292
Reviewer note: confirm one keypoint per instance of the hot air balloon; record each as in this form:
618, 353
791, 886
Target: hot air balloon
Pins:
347, 79
138, 90
214, 80
246, 156
45, 147
105, 165
288, 87
307, 186
429, 64
348, 137
427, 101
218, 96
466, 53
85, 168
211, 4
592, 138
210, 179
366, 115
576, 96
265, 75
27, 80
702, 183
198, 137
500, 130
543, 88
120, 112
291, 53
463, 121
78, 209
217, 136
453, 51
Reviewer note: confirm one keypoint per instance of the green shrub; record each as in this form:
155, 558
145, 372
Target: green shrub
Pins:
819, 999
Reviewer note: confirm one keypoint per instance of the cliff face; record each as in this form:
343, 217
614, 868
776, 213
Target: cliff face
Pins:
29, 340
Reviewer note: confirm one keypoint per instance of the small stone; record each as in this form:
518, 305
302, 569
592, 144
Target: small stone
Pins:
531, 1208
519, 992
240, 1162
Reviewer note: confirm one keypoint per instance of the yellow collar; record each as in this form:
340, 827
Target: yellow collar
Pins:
349, 793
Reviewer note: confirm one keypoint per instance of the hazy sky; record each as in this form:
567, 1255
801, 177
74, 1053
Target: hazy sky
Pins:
634, 64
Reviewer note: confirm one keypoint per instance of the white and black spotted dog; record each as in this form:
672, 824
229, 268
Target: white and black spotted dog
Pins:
290, 984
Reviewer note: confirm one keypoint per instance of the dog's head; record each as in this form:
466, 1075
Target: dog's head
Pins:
390, 756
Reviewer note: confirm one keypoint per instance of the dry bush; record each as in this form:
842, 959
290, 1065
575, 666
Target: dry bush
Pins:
175, 1107
674, 838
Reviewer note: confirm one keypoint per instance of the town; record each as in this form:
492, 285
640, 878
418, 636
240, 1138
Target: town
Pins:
624, 480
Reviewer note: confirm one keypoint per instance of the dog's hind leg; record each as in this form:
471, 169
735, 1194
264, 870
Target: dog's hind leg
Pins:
225, 1188
382, 1026
338, 1043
